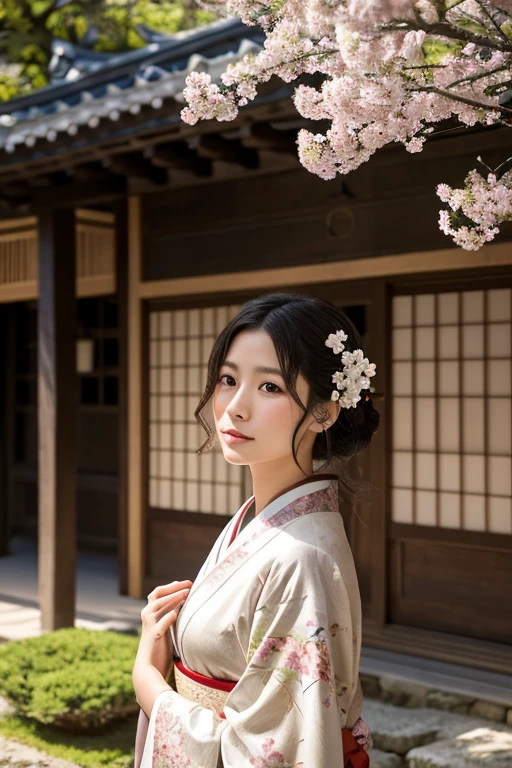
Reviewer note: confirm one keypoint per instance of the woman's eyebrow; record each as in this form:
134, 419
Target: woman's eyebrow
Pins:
259, 369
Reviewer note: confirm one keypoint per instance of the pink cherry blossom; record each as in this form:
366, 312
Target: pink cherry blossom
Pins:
393, 69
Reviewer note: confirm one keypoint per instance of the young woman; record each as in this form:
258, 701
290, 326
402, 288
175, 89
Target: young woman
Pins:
263, 665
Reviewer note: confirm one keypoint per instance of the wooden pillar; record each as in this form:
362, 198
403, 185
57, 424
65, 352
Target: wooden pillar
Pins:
57, 404
121, 270
4, 447
136, 502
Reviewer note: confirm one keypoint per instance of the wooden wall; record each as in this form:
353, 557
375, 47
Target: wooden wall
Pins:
387, 206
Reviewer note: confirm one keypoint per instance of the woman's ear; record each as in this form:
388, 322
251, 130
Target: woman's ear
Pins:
325, 414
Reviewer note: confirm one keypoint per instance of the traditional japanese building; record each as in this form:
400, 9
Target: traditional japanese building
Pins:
128, 239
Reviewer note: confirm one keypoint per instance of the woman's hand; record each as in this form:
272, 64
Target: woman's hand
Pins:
157, 616
163, 607
361, 733
154, 655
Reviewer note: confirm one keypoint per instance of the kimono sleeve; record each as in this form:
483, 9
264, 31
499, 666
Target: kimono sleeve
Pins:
291, 703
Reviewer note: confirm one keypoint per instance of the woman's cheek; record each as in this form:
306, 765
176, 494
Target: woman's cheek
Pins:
220, 402
281, 417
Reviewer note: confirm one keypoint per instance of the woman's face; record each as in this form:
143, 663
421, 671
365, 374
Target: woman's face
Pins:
250, 397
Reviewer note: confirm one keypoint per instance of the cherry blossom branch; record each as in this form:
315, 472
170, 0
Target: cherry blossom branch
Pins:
390, 72
479, 76
462, 99
444, 29
493, 21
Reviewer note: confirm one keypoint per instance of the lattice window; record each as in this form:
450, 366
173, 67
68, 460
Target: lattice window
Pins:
452, 405
95, 256
180, 345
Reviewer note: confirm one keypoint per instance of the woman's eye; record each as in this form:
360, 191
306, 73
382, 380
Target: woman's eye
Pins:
271, 384
265, 384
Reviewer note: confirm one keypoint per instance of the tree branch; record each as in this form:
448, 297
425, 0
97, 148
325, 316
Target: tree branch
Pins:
493, 21
463, 99
473, 78
447, 30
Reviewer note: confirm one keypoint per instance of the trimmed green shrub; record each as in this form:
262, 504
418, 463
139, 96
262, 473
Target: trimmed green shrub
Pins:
75, 678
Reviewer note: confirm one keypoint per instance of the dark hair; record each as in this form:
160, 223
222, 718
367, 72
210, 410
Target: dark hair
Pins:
299, 326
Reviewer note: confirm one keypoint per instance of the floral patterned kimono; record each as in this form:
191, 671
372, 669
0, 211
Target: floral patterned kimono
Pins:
268, 643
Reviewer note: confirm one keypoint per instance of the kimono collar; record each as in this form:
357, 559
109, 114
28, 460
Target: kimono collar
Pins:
269, 514
318, 493
292, 493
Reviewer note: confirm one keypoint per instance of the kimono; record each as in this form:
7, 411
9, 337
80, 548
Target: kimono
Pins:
272, 623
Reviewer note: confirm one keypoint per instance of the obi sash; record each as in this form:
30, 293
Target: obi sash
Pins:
212, 693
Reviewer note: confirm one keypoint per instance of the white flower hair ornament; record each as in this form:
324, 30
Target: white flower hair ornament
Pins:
356, 373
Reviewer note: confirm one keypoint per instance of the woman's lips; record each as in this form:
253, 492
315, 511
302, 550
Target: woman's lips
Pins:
235, 438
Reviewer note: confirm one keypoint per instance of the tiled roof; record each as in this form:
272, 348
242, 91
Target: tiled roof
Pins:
88, 87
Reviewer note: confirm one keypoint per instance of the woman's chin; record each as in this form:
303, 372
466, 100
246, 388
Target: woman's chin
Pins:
232, 457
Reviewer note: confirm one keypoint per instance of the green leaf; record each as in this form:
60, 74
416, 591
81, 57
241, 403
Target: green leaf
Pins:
436, 49
470, 25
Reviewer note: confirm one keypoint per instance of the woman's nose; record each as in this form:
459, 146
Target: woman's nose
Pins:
238, 404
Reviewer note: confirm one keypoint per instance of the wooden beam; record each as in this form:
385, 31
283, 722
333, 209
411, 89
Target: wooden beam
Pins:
57, 419
215, 147
39, 181
263, 136
445, 259
134, 164
15, 225
80, 194
178, 155
94, 172
136, 502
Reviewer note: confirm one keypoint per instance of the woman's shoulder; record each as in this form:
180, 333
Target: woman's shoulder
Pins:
305, 543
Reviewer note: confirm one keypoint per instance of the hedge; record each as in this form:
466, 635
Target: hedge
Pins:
75, 678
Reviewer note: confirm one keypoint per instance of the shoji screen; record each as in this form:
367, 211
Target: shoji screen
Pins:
452, 424
179, 347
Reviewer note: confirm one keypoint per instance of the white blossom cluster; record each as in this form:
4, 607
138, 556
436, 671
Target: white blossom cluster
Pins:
477, 209
356, 373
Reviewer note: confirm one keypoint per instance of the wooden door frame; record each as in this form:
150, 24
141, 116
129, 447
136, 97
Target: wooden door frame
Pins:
442, 646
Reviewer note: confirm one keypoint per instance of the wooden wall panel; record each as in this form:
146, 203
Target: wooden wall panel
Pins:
450, 587
177, 544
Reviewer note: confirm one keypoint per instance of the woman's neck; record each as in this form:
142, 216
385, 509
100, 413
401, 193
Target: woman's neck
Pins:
268, 485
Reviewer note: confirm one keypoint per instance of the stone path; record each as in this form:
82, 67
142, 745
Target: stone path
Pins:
15, 755
403, 738
430, 738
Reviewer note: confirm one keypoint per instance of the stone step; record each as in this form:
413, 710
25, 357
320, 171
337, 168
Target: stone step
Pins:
433, 675
479, 748
379, 759
430, 738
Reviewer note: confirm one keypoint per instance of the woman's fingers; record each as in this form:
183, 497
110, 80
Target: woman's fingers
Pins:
361, 733
164, 624
153, 611
168, 589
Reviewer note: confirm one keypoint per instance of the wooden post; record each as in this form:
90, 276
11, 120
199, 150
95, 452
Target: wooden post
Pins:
121, 271
135, 500
4, 447
57, 405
